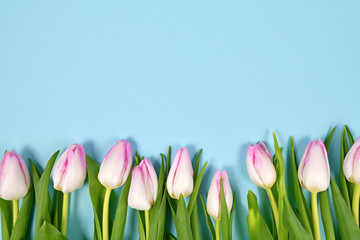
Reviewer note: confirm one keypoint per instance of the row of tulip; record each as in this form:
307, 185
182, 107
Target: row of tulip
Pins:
151, 194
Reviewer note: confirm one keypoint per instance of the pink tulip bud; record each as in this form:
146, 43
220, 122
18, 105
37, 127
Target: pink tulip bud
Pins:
351, 166
260, 166
143, 188
14, 177
70, 169
116, 166
213, 202
314, 170
180, 178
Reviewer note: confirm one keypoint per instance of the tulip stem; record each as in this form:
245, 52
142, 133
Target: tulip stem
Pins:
15, 210
65, 213
105, 220
217, 225
147, 224
315, 215
273, 207
355, 203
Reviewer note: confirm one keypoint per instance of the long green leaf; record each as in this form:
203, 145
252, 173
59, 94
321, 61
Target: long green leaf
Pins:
193, 196
347, 225
22, 222
154, 211
42, 197
350, 136
326, 215
140, 227
6, 218
183, 227
58, 209
208, 219
343, 185
118, 228
280, 186
303, 207
232, 214
257, 228
324, 201
292, 224
97, 193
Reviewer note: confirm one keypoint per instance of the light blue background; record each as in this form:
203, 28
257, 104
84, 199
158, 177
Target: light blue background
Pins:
207, 74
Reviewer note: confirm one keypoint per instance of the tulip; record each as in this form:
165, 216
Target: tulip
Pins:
262, 172
69, 175
260, 166
314, 170
351, 168
14, 180
113, 173
180, 178
14, 177
213, 204
116, 166
143, 190
314, 176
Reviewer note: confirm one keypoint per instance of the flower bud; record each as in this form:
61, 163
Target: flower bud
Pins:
14, 177
314, 170
260, 165
213, 202
116, 166
180, 178
143, 188
351, 166
70, 169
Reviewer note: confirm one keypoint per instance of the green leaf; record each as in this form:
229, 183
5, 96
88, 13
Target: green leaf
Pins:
232, 214
280, 186
257, 228
303, 207
22, 222
194, 218
168, 236
6, 218
48, 231
292, 224
42, 197
350, 136
347, 225
329, 137
208, 219
121, 211
194, 221
58, 209
326, 215
140, 227
193, 196
224, 216
162, 217
343, 185
168, 160
183, 227
155, 218
324, 201
97, 193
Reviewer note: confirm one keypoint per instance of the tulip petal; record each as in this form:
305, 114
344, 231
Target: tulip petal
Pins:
14, 177
180, 178
116, 166
70, 170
